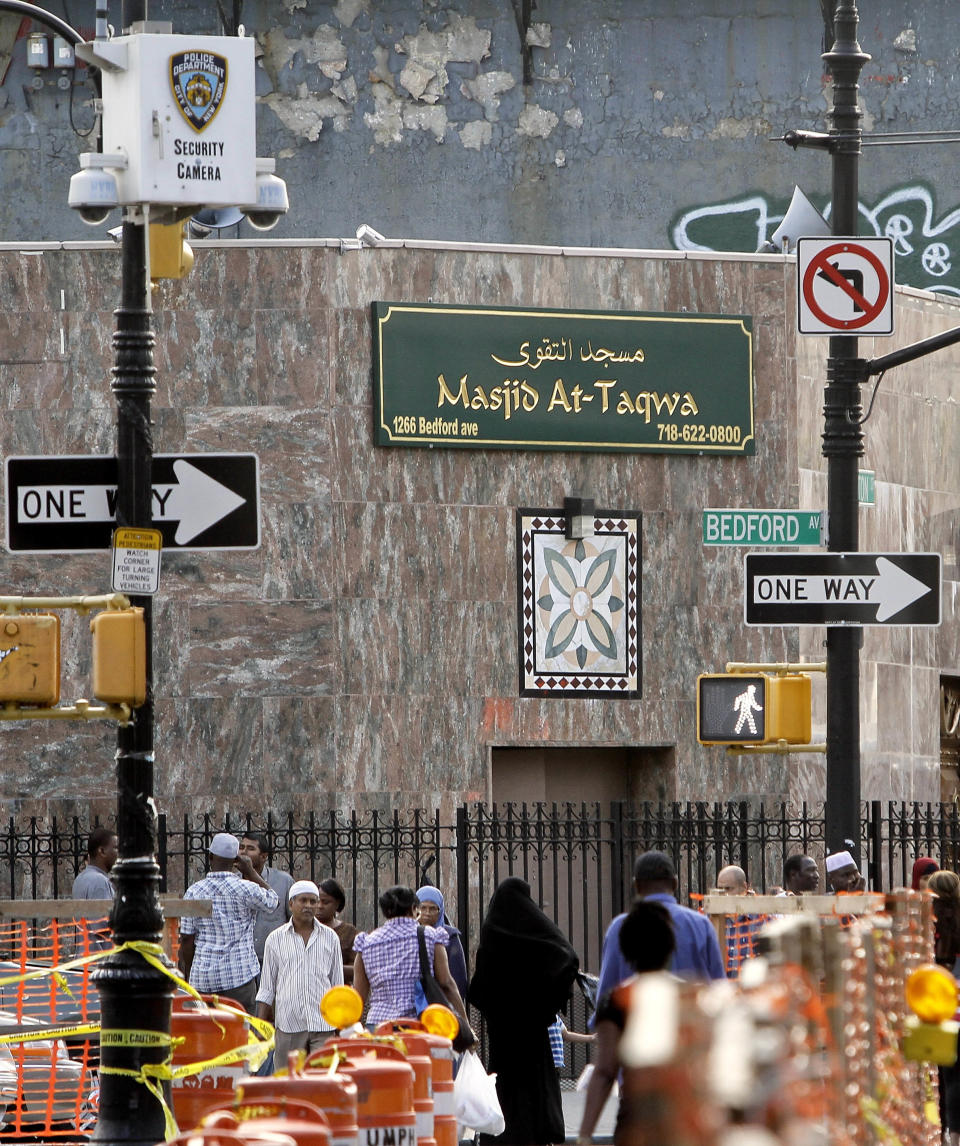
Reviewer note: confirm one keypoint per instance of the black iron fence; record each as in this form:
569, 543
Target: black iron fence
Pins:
578, 858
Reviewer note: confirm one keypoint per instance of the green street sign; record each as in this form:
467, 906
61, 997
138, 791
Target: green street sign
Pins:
762, 527
866, 487
509, 378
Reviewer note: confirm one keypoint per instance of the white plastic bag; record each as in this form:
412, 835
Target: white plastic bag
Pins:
475, 1097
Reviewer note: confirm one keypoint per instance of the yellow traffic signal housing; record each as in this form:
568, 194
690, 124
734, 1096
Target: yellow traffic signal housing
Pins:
753, 708
791, 701
120, 656
171, 256
30, 659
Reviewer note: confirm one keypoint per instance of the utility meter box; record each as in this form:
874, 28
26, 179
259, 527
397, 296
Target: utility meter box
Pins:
182, 110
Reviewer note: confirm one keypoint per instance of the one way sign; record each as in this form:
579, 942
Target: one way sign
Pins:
68, 504
842, 588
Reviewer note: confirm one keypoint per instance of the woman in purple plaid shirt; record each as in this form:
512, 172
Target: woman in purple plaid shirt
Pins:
387, 965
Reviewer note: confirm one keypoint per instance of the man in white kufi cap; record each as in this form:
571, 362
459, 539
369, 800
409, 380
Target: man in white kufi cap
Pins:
301, 962
843, 873
216, 952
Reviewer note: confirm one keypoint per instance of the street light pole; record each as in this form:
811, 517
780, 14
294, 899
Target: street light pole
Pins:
843, 447
134, 993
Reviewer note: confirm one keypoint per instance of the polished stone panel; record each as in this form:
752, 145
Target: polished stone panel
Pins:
366, 655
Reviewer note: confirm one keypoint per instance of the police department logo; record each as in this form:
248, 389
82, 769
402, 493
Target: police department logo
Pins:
199, 82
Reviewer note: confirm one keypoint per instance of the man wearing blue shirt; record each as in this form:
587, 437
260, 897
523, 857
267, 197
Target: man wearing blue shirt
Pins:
697, 953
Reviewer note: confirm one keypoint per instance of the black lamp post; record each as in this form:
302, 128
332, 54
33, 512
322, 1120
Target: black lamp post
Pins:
842, 435
843, 446
134, 993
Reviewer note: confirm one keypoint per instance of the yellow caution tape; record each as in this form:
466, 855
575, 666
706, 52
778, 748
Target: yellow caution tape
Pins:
39, 1033
151, 1075
870, 1110
129, 1038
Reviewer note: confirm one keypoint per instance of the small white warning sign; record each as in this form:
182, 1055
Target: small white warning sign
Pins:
136, 561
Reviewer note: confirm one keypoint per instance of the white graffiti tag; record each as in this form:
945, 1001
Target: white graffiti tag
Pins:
906, 215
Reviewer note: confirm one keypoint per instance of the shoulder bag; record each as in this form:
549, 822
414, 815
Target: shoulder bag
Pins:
428, 991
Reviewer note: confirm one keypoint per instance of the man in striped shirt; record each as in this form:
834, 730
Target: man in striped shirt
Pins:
216, 953
301, 962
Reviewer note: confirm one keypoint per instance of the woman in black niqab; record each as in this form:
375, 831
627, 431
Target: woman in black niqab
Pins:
525, 970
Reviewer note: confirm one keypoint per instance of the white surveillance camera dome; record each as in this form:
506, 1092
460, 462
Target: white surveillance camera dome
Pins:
93, 194
271, 202
263, 220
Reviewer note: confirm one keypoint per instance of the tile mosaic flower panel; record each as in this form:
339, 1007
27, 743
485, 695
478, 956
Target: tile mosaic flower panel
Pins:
579, 606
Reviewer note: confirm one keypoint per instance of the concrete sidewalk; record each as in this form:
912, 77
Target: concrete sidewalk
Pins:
573, 1112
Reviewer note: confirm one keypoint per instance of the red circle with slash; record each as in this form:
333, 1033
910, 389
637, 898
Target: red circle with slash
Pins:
821, 263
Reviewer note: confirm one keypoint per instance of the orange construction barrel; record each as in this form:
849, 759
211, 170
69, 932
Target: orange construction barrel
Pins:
442, 1054
225, 1137
306, 1125
385, 1084
417, 1050
207, 1033
445, 1129
335, 1094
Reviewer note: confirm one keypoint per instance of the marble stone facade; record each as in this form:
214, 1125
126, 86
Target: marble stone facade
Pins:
366, 654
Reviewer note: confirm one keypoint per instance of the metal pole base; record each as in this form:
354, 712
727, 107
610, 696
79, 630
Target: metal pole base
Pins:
134, 1010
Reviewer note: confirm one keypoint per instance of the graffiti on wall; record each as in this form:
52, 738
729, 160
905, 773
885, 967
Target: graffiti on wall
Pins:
927, 250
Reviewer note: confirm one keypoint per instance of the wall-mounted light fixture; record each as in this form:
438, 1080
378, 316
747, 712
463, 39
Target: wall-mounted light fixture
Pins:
578, 513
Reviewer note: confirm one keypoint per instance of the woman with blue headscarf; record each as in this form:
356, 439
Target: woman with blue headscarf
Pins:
431, 914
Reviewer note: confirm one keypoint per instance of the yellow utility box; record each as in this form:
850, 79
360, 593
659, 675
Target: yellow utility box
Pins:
120, 657
30, 659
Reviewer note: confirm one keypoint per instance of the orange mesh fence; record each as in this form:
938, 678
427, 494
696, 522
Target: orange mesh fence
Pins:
48, 1084
738, 938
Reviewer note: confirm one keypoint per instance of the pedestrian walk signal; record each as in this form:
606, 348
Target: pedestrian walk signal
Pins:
759, 708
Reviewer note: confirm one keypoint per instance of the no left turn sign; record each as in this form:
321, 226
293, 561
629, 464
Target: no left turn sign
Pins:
845, 286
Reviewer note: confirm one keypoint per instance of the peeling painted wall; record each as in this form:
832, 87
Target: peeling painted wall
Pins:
413, 115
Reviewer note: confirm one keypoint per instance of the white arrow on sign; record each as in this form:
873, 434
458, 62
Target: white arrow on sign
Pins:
891, 590
197, 501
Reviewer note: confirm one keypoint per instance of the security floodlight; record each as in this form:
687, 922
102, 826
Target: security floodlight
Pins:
368, 236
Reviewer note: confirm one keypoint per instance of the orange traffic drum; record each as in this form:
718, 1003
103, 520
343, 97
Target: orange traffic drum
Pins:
304, 1123
442, 1054
445, 1129
417, 1050
444, 1113
207, 1032
385, 1087
333, 1093
224, 1137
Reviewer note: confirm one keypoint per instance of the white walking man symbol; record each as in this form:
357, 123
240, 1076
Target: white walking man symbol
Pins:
746, 704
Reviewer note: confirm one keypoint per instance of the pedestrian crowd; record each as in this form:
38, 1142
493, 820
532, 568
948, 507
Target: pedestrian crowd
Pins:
276, 945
